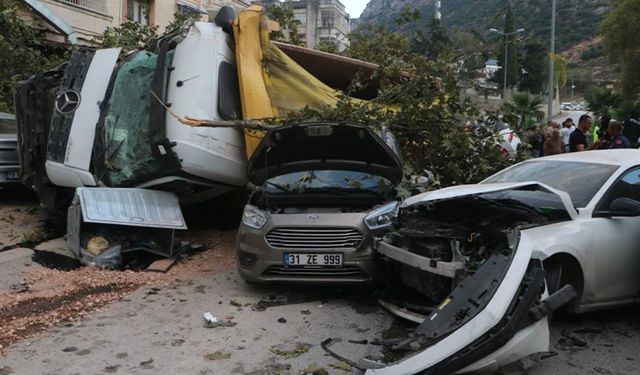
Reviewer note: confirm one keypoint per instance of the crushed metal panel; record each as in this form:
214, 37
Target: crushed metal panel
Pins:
131, 207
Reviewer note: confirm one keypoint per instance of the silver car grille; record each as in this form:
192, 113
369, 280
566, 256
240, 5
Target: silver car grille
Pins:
309, 238
346, 271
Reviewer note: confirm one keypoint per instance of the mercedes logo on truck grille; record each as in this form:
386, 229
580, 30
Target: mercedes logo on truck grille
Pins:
68, 101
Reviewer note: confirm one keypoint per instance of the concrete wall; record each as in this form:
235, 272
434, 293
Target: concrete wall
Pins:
162, 13
87, 23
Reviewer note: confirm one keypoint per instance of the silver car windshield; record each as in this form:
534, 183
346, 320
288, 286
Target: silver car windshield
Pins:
580, 180
327, 180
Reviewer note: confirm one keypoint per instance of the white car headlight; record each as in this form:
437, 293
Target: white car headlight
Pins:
382, 217
253, 217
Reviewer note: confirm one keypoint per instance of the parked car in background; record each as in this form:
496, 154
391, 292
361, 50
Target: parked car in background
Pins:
321, 190
9, 161
490, 261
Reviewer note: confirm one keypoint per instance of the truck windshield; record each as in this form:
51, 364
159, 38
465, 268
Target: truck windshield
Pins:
128, 149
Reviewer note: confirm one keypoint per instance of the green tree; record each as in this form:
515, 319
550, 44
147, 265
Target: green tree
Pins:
624, 44
428, 114
380, 46
325, 46
602, 101
23, 53
526, 107
285, 17
533, 65
129, 36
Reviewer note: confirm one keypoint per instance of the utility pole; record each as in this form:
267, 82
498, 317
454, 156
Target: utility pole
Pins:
551, 62
573, 86
506, 56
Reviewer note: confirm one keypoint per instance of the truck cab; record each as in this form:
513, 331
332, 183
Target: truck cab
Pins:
110, 119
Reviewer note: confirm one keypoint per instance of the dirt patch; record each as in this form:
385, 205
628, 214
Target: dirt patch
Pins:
53, 296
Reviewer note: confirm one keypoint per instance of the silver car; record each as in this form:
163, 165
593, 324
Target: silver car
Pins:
320, 191
9, 162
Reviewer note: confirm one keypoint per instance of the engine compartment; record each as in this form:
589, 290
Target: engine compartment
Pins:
456, 238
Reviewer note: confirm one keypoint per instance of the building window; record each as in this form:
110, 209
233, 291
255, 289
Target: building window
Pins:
327, 18
138, 11
95, 5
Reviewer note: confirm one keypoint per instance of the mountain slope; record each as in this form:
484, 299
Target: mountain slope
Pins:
577, 20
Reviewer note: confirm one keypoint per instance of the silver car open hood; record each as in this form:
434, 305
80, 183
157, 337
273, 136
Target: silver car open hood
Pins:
325, 146
465, 191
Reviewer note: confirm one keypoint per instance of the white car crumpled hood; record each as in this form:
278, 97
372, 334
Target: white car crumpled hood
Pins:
462, 191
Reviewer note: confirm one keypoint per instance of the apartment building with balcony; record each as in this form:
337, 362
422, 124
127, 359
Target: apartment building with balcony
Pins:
322, 21
80, 21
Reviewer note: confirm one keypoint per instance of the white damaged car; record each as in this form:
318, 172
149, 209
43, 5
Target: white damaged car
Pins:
488, 263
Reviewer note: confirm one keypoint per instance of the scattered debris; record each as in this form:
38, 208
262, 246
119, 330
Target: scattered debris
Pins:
588, 330
234, 302
177, 342
211, 321
573, 340
6, 370
217, 355
624, 333
601, 370
548, 355
111, 369
282, 320
342, 366
314, 369
300, 349
70, 349
272, 300
360, 342
148, 364
162, 265
305, 312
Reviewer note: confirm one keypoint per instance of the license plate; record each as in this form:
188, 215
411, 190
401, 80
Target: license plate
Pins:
312, 259
13, 175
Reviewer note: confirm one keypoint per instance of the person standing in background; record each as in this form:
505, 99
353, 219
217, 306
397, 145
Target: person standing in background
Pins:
631, 129
565, 132
617, 139
578, 139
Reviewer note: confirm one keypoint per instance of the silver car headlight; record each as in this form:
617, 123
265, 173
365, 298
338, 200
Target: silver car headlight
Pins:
253, 217
382, 217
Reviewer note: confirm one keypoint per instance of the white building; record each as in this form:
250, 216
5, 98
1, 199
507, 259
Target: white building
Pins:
322, 21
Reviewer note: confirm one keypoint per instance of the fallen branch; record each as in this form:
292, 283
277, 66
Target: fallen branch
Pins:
195, 122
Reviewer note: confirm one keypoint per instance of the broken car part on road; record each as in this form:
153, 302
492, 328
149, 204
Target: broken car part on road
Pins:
103, 223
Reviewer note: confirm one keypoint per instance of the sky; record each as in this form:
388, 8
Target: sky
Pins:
355, 7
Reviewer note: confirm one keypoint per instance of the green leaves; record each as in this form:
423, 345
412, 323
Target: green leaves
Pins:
129, 36
285, 17
22, 52
623, 44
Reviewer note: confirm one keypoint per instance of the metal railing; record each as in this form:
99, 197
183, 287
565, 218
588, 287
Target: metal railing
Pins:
99, 6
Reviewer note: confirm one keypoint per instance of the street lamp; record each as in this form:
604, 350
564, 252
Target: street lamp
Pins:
506, 56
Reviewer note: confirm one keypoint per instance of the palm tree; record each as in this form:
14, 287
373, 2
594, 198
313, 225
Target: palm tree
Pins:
527, 107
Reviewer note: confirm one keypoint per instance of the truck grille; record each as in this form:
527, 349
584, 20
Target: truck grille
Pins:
346, 271
314, 238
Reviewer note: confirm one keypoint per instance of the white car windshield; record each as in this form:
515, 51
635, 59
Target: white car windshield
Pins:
580, 180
